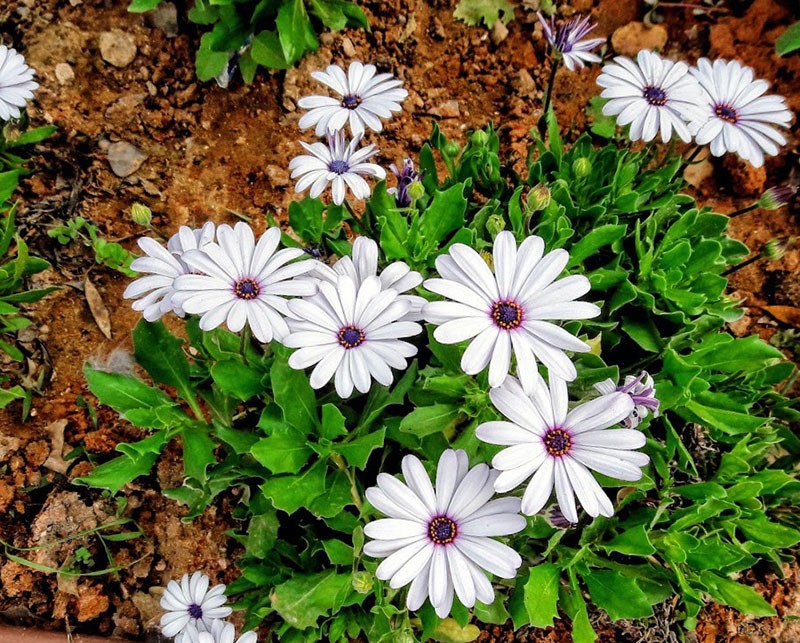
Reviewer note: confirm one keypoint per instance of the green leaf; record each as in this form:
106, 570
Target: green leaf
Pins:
294, 395
333, 425
294, 30
262, 533
427, 420
789, 40
599, 237
291, 492
8, 395
161, 354
138, 460
339, 553
209, 63
740, 597
473, 12
541, 594
123, 392
198, 451
631, 542
305, 598
444, 215
237, 379
140, 6
284, 451
358, 451
617, 594
769, 533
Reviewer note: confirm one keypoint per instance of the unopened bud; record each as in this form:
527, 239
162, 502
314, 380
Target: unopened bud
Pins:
141, 214
362, 582
581, 167
774, 249
451, 149
538, 198
495, 224
488, 257
480, 138
776, 197
416, 190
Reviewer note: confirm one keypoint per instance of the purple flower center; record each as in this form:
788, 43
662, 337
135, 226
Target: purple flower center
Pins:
351, 336
557, 442
195, 611
507, 314
442, 530
338, 166
247, 288
726, 112
351, 101
655, 95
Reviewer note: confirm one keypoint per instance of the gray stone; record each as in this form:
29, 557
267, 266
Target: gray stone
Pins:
117, 48
165, 17
125, 158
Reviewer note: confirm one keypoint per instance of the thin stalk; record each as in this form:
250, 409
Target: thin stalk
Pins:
548, 96
244, 343
689, 159
744, 264
363, 222
749, 208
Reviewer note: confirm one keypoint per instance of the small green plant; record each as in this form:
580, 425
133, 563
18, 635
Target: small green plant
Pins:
475, 12
272, 34
107, 253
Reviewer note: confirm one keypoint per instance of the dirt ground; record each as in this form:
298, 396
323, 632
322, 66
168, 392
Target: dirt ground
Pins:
206, 153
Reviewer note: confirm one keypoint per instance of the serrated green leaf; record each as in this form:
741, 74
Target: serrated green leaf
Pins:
541, 594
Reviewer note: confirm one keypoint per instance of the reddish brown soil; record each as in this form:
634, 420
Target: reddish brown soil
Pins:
213, 153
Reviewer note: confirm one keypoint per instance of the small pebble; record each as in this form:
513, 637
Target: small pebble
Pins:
117, 48
64, 73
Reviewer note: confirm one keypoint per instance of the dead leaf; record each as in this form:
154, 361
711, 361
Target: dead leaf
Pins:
786, 314
97, 307
55, 461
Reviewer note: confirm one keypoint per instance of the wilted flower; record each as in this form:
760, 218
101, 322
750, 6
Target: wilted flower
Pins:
352, 332
191, 603
340, 164
736, 116
441, 540
566, 39
555, 447
16, 83
365, 97
243, 283
161, 267
507, 311
652, 95
641, 389
406, 179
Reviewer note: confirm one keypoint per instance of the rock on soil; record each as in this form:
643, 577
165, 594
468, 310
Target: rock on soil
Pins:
165, 17
125, 158
64, 73
635, 36
117, 48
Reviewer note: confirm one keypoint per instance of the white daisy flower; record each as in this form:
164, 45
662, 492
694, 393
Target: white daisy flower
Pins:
191, 603
652, 95
351, 331
340, 164
364, 263
16, 83
441, 540
641, 389
506, 311
162, 266
241, 282
566, 39
364, 99
557, 447
219, 632
736, 116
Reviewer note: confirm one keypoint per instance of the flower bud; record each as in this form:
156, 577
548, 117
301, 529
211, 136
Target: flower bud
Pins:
776, 197
581, 167
141, 214
416, 190
495, 224
362, 582
774, 249
451, 149
480, 138
538, 198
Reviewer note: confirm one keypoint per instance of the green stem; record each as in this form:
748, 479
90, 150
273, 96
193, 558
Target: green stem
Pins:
548, 96
244, 343
689, 159
744, 264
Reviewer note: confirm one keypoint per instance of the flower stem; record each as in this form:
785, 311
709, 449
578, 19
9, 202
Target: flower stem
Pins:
244, 343
743, 264
548, 96
689, 159
749, 208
